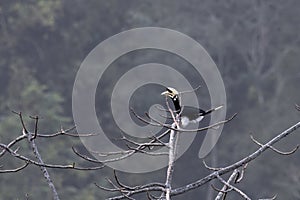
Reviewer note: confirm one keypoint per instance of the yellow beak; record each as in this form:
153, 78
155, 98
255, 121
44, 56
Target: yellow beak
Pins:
165, 93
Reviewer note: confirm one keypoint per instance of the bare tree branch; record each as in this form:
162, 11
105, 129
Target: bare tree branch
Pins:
66, 132
126, 191
239, 163
36, 118
159, 124
232, 187
12, 143
71, 166
14, 170
21, 119
210, 168
172, 157
272, 198
225, 189
274, 149
44, 170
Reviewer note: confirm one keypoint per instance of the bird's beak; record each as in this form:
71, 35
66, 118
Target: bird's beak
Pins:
166, 93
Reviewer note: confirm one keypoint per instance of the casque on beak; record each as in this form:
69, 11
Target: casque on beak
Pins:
170, 92
166, 93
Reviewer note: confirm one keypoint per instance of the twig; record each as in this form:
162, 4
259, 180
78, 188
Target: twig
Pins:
127, 191
146, 144
297, 107
221, 190
274, 149
210, 168
85, 157
15, 170
151, 197
13, 142
240, 175
190, 91
36, 118
43, 169
225, 189
172, 157
21, 119
71, 166
66, 132
125, 154
148, 153
232, 187
121, 184
138, 191
159, 124
106, 189
272, 198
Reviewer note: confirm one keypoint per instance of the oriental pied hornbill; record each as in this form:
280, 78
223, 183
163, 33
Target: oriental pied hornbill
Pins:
187, 114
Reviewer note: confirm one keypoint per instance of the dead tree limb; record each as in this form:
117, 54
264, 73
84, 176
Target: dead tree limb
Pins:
223, 192
249, 158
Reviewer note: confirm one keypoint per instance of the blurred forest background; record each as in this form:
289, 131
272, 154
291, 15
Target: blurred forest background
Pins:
255, 44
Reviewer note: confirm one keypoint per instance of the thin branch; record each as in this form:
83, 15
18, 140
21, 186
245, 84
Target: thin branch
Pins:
15, 170
274, 149
225, 189
112, 153
240, 175
106, 189
146, 144
85, 157
130, 153
151, 197
21, 119
36, 118
297, 107
159, 140
220, 190
66, 132
210, 168
39, 158
210, 126
23, 136
190, 91
71, 166
233, 188
272, 198
159, 124
163, 109
127, 191
125, 154
138, 191
113, 185
121, 184
148, 153
132, 188
13, 142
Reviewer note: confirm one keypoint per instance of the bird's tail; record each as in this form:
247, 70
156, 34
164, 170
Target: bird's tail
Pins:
213, 109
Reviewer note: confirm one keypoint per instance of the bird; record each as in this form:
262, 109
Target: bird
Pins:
187, 114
